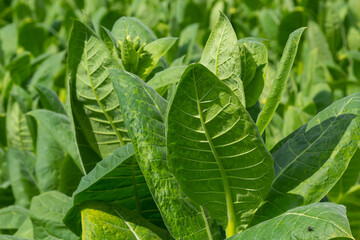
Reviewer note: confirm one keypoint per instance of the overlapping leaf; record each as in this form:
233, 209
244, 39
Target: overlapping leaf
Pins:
311, 160
144, 112
95, 108
215, 151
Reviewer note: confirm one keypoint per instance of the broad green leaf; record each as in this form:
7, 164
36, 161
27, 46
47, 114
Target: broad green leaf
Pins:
21, 168
134, 28
254, 87
118, 180
326, 221
143, 111
94, 104
215, 151
152, 54
347, 192
103, 221
46, 212
221, 55
58, 126
12, 217
311, 160
49, 100
279, 83
46, 72
161, 81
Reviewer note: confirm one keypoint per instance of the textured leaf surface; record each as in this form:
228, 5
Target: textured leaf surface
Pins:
143, 111
214, 149
12, 217
47, 211
311, 160
278, 85
327, 221
117, 180
221, 55
94, 103
58, 126
102, 221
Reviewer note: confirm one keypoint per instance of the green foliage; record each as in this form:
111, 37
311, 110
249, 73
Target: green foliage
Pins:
180, 119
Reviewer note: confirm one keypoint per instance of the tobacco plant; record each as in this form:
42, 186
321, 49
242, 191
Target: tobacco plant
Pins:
192, 163
175, 152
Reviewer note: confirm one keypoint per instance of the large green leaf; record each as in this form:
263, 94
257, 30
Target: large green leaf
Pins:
221, 55
103, 221
311, 160
215, 151
279, 83
118, 180
58, 126
94, 104
315, 221
12, 217
47, 211
144, 112
21, 169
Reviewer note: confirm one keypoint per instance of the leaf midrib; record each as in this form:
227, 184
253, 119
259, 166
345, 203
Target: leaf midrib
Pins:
310, 145
228, 197
122, 143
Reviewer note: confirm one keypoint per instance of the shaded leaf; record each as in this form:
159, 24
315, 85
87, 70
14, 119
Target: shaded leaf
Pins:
311, 160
